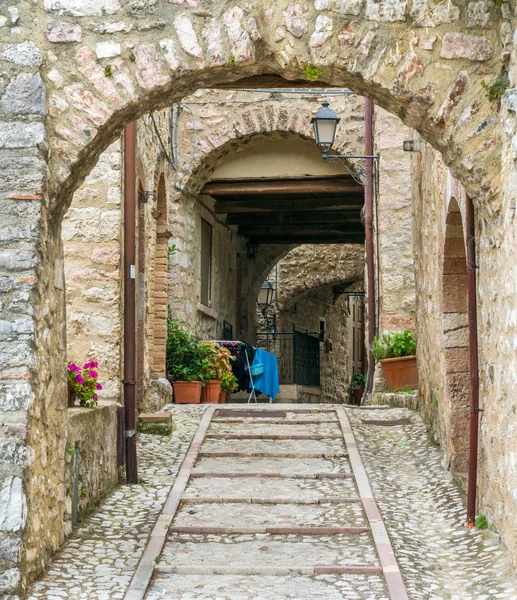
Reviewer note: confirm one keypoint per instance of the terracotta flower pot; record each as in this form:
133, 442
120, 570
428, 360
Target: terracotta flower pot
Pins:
72, 397
400, 372
211, 391
187, 392
222, 396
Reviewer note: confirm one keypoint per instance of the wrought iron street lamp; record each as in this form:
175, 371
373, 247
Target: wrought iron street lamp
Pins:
325, 124
266, 295
265, 299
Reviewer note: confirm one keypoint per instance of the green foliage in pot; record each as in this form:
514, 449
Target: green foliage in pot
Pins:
186, 360
394, 345
229, 382
358, 381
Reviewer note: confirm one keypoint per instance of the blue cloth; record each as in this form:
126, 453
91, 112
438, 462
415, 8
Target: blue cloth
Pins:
267, 382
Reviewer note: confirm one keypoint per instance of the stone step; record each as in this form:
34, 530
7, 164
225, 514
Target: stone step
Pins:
269, 454
251, 421
267, 516
265, 530
259, 550
270, 475
274, 429
304, 447
272, 500
268, 487
268, 571
253, 587
266, 436
261, 464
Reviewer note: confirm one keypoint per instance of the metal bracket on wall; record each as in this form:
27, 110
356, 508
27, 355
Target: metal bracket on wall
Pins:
145, 196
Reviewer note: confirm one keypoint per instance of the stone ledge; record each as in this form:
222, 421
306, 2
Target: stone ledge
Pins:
394, 399
207, 311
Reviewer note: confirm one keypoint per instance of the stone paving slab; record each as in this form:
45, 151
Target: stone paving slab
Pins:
266, 488
269, 465
264, 446
259, 515
275, 428
425, 516
218, 587
269, 550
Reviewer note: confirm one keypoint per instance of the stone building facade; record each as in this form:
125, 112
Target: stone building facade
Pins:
76, 72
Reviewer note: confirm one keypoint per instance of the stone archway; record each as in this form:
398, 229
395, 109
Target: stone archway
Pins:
100, 65
455, 338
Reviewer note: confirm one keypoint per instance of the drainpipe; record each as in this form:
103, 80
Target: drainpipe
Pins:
474, 366
130, 301
368, 223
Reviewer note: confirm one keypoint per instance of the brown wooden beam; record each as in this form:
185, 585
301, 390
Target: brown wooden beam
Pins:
293, 186
351, 215
289, 204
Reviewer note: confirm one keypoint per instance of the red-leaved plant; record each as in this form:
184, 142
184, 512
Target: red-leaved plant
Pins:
83, 381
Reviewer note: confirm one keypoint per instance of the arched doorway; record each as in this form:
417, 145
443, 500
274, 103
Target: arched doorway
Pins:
455, 341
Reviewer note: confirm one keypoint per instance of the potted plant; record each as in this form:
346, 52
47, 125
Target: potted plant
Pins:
228, 385
218, 364
397, 355
185, 362
83, 384
357, 383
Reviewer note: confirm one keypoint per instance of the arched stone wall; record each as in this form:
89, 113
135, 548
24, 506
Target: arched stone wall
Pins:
97, 65
310, 266
455, 337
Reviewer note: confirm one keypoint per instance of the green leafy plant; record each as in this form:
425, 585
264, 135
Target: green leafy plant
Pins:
231, 59
157, 559
70, 450
107, 71
496, 90
186, 358
434, 402
394, 345
132, 57
83, 490
311, 72
229, 382
481, 522
358, 381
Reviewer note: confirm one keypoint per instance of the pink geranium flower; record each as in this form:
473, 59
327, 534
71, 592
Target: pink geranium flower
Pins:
93, 374
79, 379
98, 387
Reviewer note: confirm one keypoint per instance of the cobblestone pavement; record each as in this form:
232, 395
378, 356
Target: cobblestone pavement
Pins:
99, 559
420, 505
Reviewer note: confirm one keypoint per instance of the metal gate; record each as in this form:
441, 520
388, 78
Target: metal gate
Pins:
306, 359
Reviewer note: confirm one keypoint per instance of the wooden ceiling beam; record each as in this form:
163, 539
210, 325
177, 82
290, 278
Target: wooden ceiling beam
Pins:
351, 215
303, 229
284, 187
289, 204
308, 239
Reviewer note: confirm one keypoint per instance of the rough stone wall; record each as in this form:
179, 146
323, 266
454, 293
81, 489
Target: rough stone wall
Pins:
91, 235
394, 225
92, 441
102, 65
185, 269
322, 303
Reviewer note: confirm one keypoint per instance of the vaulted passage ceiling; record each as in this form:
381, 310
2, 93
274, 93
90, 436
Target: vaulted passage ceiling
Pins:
292, 211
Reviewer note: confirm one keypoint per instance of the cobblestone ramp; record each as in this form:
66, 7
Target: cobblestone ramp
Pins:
270, 507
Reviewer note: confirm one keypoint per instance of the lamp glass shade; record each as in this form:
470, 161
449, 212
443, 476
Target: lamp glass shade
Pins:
266, 294
325, 125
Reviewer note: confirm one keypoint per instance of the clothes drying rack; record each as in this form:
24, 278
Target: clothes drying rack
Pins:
253, 393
